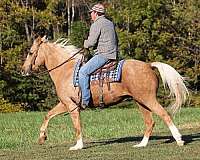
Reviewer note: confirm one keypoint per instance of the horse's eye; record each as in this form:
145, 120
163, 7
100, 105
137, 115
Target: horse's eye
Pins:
30, 52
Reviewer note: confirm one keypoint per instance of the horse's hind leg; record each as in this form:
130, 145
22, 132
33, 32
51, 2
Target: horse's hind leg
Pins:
58, 109
160, 111
148, 120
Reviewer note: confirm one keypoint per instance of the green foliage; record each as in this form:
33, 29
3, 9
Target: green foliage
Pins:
29, 93
160, 30
195, 99
6, 106
80, 31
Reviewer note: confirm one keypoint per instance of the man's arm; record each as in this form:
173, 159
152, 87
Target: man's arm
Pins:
93, 36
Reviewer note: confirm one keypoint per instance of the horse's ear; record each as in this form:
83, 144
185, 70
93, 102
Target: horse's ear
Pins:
44, 39
38, 40
34, 35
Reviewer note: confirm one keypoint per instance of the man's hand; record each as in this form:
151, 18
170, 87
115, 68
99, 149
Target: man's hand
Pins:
86, 51
87, 55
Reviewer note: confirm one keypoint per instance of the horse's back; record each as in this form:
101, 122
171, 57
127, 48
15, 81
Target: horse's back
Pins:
137, 68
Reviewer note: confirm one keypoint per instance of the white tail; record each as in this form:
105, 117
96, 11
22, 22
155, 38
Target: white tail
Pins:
175, 83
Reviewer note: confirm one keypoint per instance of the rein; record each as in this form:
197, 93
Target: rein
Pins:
71, 111
70, 58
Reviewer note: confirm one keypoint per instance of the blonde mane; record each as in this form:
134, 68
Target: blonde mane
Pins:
64, 48
64, 43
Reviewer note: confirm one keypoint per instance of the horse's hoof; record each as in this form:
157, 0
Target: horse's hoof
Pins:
139, 145
180, 143
42, 140
74, 148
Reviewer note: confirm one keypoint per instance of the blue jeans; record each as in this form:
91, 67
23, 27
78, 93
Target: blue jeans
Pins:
84, 75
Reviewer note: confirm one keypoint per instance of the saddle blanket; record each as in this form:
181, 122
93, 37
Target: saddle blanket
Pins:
113, 75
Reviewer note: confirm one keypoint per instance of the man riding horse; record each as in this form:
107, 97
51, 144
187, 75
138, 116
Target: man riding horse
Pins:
138, 80
103, 37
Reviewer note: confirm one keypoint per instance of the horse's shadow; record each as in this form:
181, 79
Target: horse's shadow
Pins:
188, 138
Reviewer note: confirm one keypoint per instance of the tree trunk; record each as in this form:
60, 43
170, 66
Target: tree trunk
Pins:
68, 17
33, 23
27, 32
128, 30
73, 14
25, 23
1, 58
173, 2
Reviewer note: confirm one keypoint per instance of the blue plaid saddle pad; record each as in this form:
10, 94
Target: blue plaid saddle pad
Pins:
113, 76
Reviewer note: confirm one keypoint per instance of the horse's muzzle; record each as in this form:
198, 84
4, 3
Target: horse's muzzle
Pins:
26, 72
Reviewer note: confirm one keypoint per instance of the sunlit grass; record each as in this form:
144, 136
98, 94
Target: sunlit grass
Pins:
106, 132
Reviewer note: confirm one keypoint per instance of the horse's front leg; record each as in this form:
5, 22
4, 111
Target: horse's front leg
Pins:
75, 116
58, 109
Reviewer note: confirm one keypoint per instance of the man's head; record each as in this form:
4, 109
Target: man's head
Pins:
97, 10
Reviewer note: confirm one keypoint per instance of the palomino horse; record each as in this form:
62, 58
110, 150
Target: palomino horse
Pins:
138, 81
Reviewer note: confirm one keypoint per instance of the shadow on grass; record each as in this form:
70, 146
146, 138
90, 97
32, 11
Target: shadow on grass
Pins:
191, 138
188, 138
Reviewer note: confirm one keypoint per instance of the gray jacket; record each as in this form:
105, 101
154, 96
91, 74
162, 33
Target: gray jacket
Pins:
103, 36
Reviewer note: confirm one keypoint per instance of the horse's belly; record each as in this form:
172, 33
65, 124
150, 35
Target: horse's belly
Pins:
112, 94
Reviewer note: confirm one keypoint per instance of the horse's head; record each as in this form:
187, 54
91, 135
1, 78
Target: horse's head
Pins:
35, 57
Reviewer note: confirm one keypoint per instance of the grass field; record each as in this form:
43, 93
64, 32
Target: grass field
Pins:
108, 134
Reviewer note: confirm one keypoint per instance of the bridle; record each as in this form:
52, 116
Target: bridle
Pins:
35, 53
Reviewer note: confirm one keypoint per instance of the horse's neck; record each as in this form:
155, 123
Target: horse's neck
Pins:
54, 56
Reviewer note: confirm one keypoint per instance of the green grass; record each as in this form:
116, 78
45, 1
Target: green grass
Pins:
108, 134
